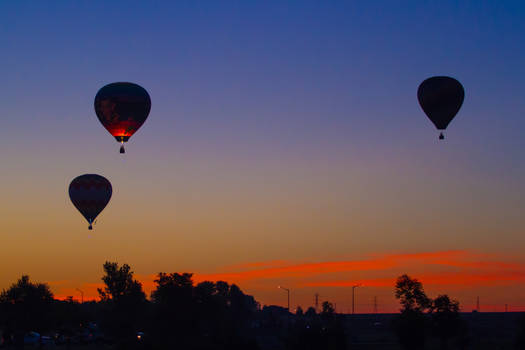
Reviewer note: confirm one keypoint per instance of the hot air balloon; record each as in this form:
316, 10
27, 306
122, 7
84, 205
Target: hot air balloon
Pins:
90, 193
122, 108
440, 98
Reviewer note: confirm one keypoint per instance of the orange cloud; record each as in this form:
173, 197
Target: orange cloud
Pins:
453, 268
444, 279
394, 263
261, 264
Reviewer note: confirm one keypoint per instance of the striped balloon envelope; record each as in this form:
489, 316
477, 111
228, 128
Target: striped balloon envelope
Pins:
90, 193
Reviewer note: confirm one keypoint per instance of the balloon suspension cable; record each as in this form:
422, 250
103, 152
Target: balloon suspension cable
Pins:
441, 136
122, 150
90, 227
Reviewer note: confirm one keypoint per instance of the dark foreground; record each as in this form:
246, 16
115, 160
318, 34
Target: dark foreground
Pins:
485, 331
362, 331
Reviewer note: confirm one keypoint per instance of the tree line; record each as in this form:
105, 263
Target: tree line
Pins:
215, 315
179, 313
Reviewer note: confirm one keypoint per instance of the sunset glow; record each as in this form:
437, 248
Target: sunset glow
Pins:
464, 273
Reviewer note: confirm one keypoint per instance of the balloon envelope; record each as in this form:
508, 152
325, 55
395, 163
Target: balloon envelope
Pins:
440, 98
122, 108
90, 193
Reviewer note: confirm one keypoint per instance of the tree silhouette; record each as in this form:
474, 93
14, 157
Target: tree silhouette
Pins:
26, 306
327, 309
411, 295
411, 324
120, 284
26, 292
208, 315
124, 303
174, 322
27, 303
446, 322
173, 287
299, 312
310, 312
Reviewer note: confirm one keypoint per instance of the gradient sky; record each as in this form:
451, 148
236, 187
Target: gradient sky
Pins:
285, 145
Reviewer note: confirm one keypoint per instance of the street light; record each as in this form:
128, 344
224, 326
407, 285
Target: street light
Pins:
81, 295
288, 291
353, 296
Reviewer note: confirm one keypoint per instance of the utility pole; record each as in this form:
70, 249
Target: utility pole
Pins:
506, 308
316, 302
353, 296
375, 304
477, 304
287, 291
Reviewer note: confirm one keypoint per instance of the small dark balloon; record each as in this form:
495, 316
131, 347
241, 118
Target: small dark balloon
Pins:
440, 98
122, 108
90, 193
